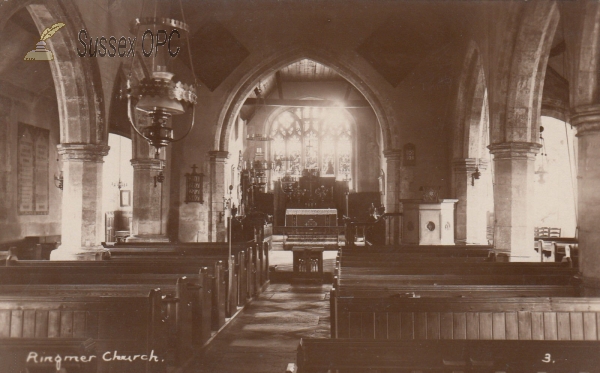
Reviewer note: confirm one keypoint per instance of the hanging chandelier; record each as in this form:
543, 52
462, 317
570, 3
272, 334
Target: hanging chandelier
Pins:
157, 95
541, 170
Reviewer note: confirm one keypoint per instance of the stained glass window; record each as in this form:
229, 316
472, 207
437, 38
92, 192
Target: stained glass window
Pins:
312, 138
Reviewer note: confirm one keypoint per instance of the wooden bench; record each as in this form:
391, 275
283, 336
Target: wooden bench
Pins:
444, 250
186, 306
255, 260
561, 249
131, 325
322, 355
209, 303
538, 318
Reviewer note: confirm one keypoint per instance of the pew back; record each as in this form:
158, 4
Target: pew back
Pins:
359, 356
469, 318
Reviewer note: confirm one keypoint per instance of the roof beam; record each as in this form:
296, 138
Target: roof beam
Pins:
349, 104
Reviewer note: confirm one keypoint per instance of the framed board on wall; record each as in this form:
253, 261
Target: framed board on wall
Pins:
32, 170
125, 198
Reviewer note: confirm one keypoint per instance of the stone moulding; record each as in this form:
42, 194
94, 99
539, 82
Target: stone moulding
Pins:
586, 119
515, 150
83, 152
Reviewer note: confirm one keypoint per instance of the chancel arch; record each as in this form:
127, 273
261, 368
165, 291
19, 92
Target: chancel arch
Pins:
305, 120
281, 59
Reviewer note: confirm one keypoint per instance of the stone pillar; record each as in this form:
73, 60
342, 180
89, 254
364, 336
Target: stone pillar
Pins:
392, 189
216, 216
587, 121
148, 203
470, 223
81, 203
513, 199
393, 193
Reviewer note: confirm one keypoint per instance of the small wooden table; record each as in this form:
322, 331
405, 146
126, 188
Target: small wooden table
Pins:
308, 262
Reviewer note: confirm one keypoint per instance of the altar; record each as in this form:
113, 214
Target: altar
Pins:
311, 217
311, 228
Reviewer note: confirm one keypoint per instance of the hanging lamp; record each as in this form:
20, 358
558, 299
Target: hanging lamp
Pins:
157, 95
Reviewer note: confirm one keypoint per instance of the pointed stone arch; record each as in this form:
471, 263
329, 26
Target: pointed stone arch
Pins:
77, 80
470, 134
470, 103
281, 59
527, 71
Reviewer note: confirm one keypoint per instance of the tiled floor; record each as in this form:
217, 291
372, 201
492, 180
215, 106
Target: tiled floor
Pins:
264, 338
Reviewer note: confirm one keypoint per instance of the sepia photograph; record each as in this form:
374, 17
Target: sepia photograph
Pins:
299, 186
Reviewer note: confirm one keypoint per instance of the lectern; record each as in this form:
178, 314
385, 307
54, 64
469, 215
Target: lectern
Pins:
428, 223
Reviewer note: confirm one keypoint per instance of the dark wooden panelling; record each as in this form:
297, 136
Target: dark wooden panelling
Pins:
16, 324
473, 325
28, 323
537, 325
66, 324
590, 329
564, 326
41, 324
394, 325
447, 326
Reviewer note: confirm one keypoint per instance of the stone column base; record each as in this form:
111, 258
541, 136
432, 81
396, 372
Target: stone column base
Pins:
147, 238
84, 253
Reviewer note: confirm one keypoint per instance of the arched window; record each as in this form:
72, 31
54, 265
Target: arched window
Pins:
312, 138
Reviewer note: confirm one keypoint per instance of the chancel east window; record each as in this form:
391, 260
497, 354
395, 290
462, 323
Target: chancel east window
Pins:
312, 138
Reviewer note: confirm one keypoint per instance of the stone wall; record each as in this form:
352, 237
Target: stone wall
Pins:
18, 105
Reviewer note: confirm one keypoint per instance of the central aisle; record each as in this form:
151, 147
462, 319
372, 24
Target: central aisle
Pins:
264, 337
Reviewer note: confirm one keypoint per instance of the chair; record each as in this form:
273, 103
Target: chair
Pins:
554, 232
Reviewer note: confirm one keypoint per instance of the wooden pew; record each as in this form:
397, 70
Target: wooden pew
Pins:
195, 289
344, 356
255, 259
130, 325
222, 291
182, 300
432, 250
553, 318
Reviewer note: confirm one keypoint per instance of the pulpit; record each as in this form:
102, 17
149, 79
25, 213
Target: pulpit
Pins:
428, 223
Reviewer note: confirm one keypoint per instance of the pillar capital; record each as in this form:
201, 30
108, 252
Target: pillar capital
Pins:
218, 155
515, 150
393, 154
469, 164
151, 164
586, 119
83, 152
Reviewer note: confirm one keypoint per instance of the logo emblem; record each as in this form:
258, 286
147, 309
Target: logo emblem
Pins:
40, 53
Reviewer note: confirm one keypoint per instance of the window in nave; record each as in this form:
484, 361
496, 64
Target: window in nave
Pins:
312, 138
556, 178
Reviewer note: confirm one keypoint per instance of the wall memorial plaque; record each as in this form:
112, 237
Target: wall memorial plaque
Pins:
193, 186
32, 170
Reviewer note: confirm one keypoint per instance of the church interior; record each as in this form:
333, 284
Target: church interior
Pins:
299, 186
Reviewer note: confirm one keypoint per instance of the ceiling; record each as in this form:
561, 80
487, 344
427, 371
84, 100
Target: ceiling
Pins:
308, 71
